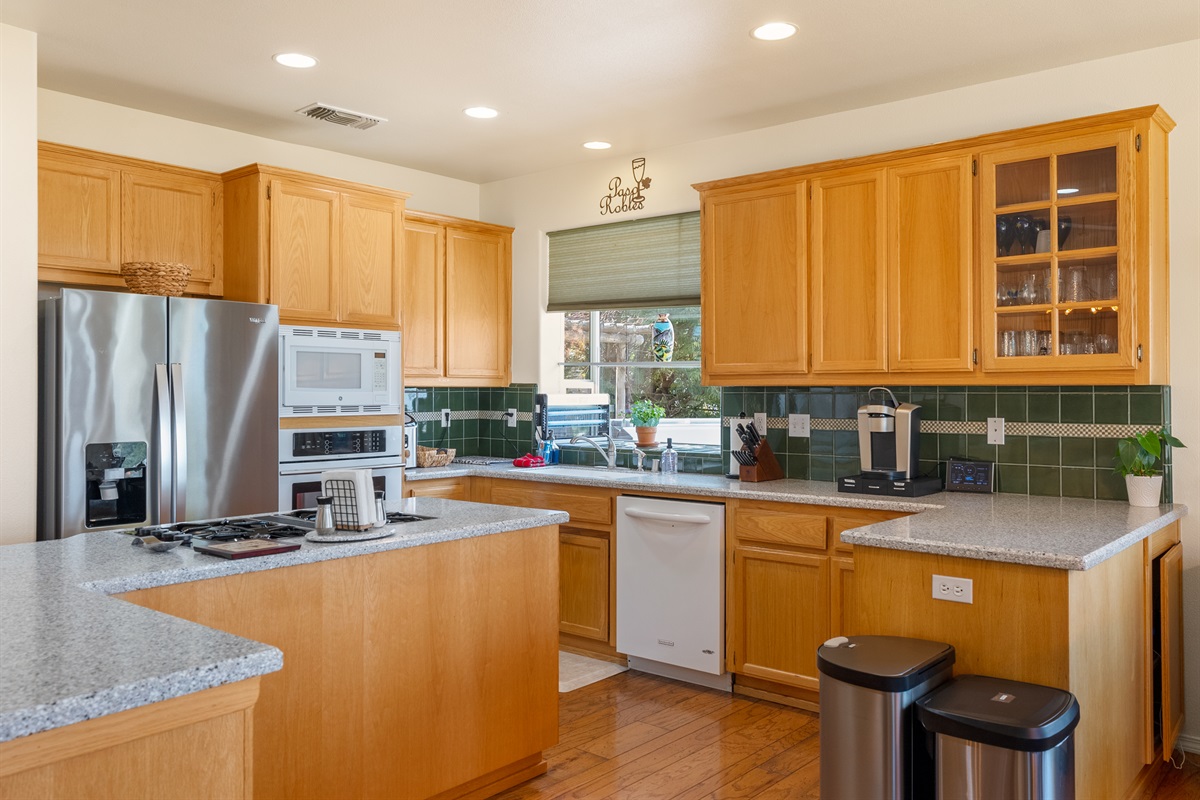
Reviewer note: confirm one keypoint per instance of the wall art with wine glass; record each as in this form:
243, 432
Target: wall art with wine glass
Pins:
626, 198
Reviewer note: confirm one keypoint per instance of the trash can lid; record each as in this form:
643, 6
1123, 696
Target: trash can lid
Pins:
1011, 714
884, 663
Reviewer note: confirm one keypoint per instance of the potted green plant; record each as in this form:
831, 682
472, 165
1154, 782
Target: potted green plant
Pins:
645, 414
1139, 459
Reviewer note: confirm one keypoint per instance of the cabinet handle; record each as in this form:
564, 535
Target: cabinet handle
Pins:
975, 356
1139, 352
1137, 143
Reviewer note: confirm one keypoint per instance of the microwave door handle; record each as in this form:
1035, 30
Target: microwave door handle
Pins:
179, 414
160, 498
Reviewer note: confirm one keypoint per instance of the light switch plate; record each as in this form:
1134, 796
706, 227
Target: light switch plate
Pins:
995, 430
799, 425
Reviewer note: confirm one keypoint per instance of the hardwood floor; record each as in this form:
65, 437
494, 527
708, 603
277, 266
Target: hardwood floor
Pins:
639, 736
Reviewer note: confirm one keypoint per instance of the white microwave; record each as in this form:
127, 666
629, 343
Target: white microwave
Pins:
330, 371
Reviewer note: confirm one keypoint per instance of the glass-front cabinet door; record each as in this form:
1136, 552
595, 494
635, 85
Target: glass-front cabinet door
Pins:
1056, 236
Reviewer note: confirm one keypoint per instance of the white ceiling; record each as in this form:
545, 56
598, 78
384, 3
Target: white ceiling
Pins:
643, 74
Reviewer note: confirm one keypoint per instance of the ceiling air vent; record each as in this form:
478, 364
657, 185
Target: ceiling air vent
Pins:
340, 116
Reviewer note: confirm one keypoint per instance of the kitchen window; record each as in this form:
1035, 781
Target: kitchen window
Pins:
614, 283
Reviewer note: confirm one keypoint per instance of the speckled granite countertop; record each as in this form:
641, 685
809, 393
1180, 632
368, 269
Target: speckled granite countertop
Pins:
69, 653
1063, 533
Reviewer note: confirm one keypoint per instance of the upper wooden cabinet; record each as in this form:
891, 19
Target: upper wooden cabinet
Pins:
1034, 256
754, 284
327, 252
457, 303
97, 211
1073, 253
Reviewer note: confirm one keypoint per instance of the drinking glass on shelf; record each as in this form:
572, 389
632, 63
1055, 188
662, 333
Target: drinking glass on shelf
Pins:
1076, 284
1105, 343
1087, 345
1008, 344
1044, 342
1028, 343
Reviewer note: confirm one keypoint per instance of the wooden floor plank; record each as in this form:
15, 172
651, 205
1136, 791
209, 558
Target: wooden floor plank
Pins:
642, 737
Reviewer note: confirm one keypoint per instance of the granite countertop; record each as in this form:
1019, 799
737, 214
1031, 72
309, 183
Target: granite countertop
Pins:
69, 653
1057, 532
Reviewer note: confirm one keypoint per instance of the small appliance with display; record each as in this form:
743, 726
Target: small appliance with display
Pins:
889, 444
963, 475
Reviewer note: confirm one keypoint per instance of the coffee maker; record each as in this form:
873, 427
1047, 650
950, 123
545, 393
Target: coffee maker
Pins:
889, 446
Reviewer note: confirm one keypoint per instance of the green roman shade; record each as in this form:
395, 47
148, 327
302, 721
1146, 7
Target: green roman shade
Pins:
642, 263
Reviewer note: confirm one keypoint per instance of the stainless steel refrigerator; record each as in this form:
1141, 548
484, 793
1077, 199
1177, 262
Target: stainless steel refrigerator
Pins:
154, 410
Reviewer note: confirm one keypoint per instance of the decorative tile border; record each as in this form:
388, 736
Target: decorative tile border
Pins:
1059, 429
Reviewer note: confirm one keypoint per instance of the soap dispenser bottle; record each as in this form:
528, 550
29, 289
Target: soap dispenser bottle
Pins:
670, 460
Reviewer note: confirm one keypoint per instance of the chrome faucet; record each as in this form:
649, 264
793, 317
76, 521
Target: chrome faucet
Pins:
610, 455
641, 457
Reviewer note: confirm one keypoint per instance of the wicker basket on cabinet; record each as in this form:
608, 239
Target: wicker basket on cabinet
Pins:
160, 278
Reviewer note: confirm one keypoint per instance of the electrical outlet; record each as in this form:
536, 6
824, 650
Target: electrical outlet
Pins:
798, 425
995, 430
512, 418
445, 418
760, 423
956, 590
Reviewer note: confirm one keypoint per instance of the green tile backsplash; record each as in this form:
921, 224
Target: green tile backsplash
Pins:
1055, 444
1059, 440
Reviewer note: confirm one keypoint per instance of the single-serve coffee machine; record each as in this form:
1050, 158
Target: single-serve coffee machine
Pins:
889, 447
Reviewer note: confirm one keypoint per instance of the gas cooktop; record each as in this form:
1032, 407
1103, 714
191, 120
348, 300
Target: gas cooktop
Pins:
226, 530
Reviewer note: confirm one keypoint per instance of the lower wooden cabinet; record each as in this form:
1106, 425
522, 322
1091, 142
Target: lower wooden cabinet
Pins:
583, 582
445, 488
781, 614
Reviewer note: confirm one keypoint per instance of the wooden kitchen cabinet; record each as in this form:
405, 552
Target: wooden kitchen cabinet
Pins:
587, 556
790, 588
445, 488
1073, 252
327, 252
97, 211
583, 582
457, 304
848, 249
754, 284
915, 270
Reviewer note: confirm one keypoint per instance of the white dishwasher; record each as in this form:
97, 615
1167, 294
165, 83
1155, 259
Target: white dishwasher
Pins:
671, 589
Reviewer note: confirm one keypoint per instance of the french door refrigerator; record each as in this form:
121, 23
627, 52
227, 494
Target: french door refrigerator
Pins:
154, 410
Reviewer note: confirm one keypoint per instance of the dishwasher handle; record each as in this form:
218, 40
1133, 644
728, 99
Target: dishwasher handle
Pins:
662, 516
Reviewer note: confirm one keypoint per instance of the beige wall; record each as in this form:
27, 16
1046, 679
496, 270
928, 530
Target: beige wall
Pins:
18, 282
81, 122
1170, 76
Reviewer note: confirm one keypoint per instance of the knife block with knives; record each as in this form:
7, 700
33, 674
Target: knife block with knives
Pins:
756, 460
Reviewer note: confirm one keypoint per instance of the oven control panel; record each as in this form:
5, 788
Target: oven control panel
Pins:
307, 444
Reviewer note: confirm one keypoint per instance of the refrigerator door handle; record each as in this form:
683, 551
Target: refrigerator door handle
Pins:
160, 500
179, 420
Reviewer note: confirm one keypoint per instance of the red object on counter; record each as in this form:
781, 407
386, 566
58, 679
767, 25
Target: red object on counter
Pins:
529, 460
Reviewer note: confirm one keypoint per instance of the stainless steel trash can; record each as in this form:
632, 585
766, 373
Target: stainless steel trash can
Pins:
868, 687
995, 738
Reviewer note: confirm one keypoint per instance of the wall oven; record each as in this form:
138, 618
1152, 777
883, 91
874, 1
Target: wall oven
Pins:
324, 371
305, 454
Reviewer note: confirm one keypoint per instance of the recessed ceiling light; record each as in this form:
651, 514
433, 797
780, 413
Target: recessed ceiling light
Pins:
774, 31
295, 60
597, 145
1067, 191
481, 112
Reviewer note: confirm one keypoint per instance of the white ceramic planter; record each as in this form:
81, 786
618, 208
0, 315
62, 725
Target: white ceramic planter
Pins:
1143, 490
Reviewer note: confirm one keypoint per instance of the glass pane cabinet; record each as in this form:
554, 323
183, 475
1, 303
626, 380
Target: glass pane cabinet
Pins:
1057, 252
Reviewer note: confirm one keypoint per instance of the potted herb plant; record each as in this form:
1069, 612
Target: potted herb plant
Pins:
1139, 459
645, 414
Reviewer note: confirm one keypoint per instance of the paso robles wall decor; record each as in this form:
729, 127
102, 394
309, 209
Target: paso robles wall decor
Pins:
626, 198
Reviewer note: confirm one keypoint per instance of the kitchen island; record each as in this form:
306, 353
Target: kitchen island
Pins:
1082, 595
406, 666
